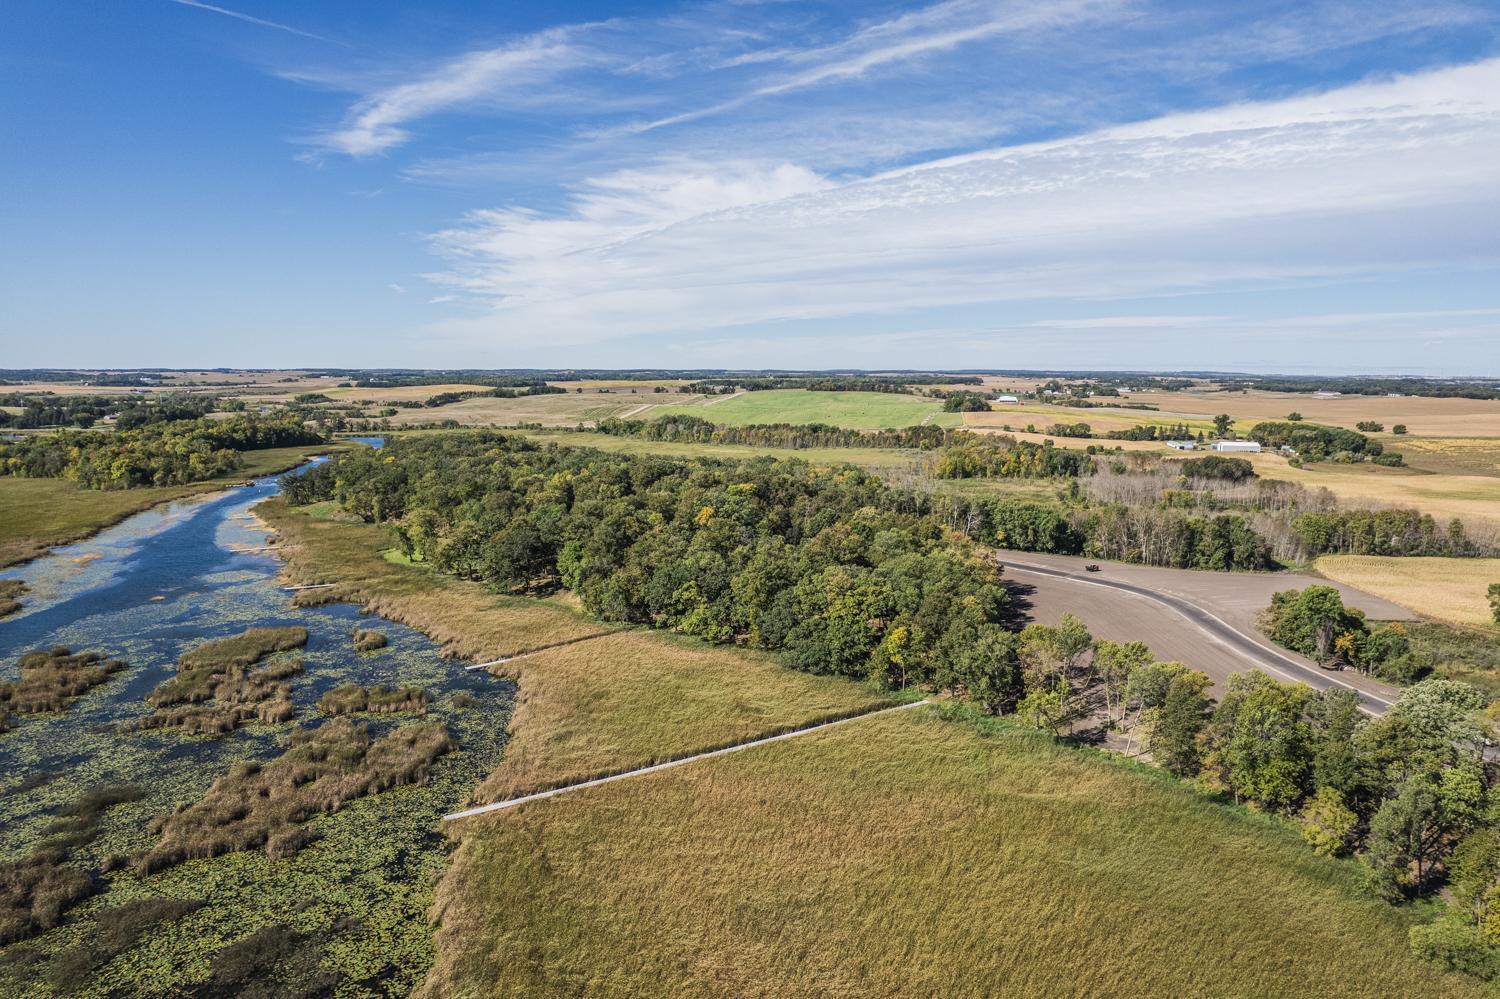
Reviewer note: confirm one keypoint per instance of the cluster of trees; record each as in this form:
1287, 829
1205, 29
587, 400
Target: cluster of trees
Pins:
159, 454
898, 384
1000, 457
696, 430
1381, 532
51, 410
833, 569
1162, 536
1154, 432
502, 392
1313, 441
1216, 466
965, 402
1070, 430
1410, 793
1315, 622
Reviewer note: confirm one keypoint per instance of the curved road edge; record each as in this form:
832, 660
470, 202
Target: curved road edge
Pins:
1257, 651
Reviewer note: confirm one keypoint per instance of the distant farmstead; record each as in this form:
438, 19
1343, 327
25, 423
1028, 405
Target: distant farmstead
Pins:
1006, 398
1183, 445
1236, 446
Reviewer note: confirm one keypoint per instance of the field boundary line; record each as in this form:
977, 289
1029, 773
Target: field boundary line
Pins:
669, 764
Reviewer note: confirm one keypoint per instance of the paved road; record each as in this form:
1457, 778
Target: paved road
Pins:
1203, 619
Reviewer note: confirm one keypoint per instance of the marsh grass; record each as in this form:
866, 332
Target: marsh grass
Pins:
351, 698
51, 681
909, 854
366, 640
36, 890
218, 687
10, 592
262, 807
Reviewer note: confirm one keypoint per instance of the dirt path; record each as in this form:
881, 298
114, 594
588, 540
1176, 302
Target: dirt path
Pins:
595, 782
723, 398
1206, 623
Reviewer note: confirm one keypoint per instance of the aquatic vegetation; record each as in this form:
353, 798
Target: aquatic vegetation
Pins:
114, 931
35, 891
256, 806
10, 589
52, 680
351, 698
244, 968
82, 817
368, 641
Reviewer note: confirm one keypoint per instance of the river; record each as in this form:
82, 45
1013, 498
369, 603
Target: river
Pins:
146, 590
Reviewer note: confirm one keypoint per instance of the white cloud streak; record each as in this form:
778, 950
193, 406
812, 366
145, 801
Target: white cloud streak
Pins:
1378, 176
248, 19
491, 76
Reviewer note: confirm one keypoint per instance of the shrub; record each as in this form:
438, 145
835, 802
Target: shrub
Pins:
1455, 945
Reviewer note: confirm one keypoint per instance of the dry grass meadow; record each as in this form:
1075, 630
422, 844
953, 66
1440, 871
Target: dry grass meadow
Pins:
1448, 589
909, 855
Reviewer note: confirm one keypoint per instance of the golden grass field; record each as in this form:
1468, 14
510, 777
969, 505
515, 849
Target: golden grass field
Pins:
909, 855
1449, 589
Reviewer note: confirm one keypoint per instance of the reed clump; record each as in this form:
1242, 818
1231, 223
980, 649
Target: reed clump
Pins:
351, 698
53, 680
35, 891
10, 590
218, 687
258, 806
366, 640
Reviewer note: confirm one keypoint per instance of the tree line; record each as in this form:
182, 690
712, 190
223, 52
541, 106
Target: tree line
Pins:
831, 568
160, 454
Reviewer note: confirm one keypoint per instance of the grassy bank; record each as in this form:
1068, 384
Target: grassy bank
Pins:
38, 514
595, 699
909, 855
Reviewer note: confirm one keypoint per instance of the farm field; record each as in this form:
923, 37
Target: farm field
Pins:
856, 410
1428, 417
1475, 499
1101, 420
834, 865
1448, 589
566, 409
400, 393
1448, 455
37, 514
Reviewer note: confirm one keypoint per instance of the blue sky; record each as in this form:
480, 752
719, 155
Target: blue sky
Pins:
1309, 186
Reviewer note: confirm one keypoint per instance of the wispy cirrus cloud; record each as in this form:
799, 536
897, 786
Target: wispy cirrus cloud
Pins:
491, 76
1388, 175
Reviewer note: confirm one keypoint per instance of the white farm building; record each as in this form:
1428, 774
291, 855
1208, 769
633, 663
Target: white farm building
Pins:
1183, 445
1236, 446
